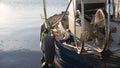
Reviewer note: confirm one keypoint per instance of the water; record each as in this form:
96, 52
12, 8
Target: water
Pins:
20, 22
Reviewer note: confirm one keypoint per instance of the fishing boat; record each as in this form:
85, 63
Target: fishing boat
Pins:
81, 37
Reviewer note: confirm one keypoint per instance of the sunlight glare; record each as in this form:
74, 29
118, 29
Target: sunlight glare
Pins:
4, 12
3, 9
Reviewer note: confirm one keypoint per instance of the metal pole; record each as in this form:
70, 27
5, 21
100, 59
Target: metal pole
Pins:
118, 9
82, 15
44, 6
74, 11
83, 24
108, 25
45, 14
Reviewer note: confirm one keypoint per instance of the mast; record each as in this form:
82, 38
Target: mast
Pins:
44, 6
47, 25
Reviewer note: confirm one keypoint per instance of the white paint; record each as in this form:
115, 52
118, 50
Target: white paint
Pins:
72, 16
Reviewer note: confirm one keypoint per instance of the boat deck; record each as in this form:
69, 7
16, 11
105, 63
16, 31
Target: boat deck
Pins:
113, 61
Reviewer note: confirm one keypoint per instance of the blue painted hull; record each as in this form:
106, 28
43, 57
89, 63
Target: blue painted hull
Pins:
68, 58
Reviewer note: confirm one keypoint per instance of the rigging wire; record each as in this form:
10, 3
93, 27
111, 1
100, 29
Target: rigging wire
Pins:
63, 14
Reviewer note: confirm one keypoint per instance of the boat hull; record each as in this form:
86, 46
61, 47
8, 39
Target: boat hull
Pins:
66, 57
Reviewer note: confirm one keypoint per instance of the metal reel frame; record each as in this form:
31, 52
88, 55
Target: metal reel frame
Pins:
99, 27
101, 31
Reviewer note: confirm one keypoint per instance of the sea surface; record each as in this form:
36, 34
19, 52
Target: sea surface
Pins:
20, 22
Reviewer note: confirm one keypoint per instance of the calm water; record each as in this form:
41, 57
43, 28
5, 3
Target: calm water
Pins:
20, 22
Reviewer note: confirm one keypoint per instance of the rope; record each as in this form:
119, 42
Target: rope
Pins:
63, 14
58, 21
